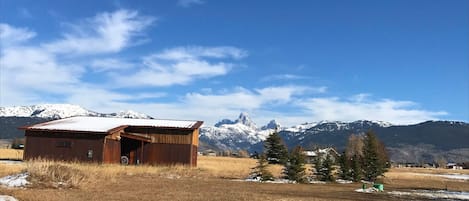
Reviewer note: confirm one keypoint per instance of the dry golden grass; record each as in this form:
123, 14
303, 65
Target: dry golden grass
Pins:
14, 154
211, 180
232, 168
8, 169
425, 178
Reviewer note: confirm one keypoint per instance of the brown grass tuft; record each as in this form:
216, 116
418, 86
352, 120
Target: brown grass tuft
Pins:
43, 173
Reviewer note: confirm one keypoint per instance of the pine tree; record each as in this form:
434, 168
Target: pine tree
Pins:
260, 171
326, 170
344, 165
317, 166
294, 169
374, 160
275, 150
356, 169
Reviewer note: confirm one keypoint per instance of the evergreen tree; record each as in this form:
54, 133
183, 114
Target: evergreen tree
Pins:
356, 169
326, 169
260, 171
275, 150
374, 160
344, 165
294, 169
317, 166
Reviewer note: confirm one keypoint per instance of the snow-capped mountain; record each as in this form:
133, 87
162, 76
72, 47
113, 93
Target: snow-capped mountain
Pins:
59, 111
243, 119
271, 125
242, 133
238, 134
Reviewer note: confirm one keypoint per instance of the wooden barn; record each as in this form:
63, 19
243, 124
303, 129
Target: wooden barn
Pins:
114, 140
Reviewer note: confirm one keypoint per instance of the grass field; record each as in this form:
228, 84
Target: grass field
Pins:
12, 154
213, 179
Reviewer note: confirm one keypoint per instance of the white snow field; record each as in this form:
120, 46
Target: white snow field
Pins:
441, 194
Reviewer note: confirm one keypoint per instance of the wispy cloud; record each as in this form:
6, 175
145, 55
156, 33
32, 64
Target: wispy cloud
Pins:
361, 107
105, 33
181, 65
194, 52
110, 64
14, 35
189, 3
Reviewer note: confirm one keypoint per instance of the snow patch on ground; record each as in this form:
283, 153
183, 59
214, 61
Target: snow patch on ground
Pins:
441, 194
276, 181
18, 180
10, 162
317, 182
341, 181
367, 190
448, 176
7, 198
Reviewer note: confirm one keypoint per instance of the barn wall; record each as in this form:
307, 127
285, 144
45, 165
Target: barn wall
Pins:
112, 151
194, 156
164, 136
63, 146
167, 154
195, 137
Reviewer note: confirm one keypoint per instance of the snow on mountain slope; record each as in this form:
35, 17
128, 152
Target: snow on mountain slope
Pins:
242, 133
59, 111
238, 134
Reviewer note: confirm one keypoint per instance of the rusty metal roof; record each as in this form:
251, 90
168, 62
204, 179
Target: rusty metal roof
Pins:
104, 124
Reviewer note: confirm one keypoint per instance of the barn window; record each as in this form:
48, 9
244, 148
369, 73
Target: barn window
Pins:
90, 153
64, 144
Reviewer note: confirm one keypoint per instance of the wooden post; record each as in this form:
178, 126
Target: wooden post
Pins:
141, 153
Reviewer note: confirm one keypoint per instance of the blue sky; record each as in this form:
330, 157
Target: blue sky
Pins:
303, 61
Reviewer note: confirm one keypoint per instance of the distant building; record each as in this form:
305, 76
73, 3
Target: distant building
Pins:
454, 166
209, 152
114, 140
312, 155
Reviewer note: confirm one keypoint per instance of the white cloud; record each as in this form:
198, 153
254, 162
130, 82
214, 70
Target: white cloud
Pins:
285, 93
105, 33
14, 35
189, 3
110, 64
180, 66
242, 99
193, 52
394, 111
34, 68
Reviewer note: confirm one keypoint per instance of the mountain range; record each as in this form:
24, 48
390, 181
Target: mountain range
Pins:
418, 143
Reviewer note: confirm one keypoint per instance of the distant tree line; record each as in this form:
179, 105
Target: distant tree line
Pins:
365, 158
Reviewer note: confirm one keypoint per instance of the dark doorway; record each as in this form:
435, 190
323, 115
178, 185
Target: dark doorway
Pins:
131, 151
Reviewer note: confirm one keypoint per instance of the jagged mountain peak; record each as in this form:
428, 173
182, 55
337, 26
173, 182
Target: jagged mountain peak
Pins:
246, 120
243, 119
273, 124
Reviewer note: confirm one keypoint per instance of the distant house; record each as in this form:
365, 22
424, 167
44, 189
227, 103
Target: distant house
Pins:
312, 155
209, 152
454, 166
114, 140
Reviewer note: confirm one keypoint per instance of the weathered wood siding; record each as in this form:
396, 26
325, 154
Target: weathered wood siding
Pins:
64, 146
167, 154
112, 151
